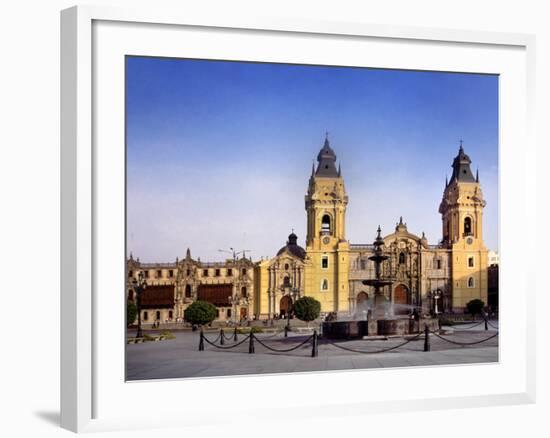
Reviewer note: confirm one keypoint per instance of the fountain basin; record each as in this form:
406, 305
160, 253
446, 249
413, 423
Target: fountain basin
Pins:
345, 329
381, 327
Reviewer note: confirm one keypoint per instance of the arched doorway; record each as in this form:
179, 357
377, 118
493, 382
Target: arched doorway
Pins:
361, 300
285, 306
400, 299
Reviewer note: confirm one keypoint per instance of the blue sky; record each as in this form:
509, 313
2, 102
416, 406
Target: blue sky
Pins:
219, 153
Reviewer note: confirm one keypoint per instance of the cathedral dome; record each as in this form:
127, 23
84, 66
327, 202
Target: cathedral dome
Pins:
292, 247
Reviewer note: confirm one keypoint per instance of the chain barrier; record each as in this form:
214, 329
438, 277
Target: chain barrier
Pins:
463, 343
218, 338
495, 327
286, 350
314, 339
228, 338
225, 347
338, 345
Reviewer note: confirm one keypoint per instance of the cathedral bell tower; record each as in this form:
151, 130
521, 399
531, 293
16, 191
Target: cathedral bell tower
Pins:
462, 217
326, 245
326, 202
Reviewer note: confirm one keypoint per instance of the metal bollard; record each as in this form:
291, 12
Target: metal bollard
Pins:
222, 334
235, 335
286, 331
251, 344
314, 345
486, 326
426, 338
201, 342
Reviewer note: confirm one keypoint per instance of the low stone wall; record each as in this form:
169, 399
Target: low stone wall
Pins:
345, 329
380, 327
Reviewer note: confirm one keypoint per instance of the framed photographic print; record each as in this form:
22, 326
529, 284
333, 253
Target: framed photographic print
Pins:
251, 205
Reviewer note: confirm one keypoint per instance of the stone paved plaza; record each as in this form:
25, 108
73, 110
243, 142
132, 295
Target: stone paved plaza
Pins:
180, 357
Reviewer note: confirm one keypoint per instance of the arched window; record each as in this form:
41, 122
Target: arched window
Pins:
401, 258
467, 225
188, 291
325, 224
145, 316
243, 292
170, 314
324, 285
471, 282
158, 315
286, 281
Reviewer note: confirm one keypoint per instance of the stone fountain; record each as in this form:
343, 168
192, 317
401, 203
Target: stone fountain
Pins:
380, 306
380, 319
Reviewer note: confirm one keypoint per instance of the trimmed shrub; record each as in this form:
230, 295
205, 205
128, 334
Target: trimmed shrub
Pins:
475, 306
131, 312
307, 309
200, 312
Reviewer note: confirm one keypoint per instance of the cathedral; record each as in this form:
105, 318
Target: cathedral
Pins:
439, 278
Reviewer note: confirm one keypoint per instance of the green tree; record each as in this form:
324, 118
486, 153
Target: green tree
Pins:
131, 312
200, 312
475, 306
307, 309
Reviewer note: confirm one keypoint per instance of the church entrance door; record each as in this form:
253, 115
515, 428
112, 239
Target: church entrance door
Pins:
401, 296
285, 306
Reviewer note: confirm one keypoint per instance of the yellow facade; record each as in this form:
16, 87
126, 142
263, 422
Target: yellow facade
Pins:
326, 245
462, 220
435, 278
454, 271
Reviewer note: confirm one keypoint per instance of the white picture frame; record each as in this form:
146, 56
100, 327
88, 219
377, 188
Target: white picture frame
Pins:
82, 224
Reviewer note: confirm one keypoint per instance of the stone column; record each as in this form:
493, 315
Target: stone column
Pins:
300, 285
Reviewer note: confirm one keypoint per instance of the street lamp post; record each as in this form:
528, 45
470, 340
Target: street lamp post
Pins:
233, 300
139, 285
293, 293
437, 296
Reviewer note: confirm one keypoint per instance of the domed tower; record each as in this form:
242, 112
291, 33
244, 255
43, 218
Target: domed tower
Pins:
326, 245
462, 217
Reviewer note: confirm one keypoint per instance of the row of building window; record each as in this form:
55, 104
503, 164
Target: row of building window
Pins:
171, 314
324, 265
157, 315
149, 274
218, 272
205, 273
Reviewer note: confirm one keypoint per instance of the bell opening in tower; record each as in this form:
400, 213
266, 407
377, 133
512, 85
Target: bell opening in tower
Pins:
325, 225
